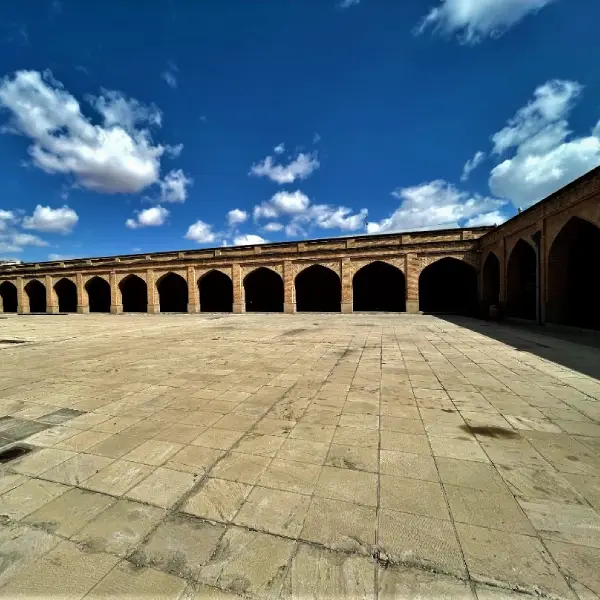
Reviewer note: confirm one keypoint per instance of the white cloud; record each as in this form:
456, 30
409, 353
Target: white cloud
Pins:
117, 156
279, 149
173, 188
432, 205
173, 151
545, 156
150, 217
492, 218
14, 241
348, 3
248, 240
60, 256
273, 227
472, 164
474, 20
52, 220
201, 233
300, 167
236, 217
170, 75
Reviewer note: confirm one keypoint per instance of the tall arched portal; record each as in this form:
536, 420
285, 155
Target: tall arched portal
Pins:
36, 294
264, 291
574, 276
172, 293
134, 294
8, 293
521, 282
379, 286
490, 281
66, 292
448, 285
216, 292
318, 289
98, 291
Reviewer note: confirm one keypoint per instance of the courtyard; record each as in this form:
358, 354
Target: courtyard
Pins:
296, 456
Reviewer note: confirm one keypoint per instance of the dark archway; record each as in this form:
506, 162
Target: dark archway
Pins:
520, 282
318, 289
379, 286
448, 285
36, 293
172, 293
574, 276
264, 291
215, 292
98, 291
134, 294
490, 282
8, 293
66, 293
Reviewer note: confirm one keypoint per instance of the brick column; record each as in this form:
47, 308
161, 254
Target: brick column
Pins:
83, 302
153, 303
346, 286
543, 271
239, 305
502, 287
411, 272
116, 302
22, 298
193, 296
289, 291
51, 299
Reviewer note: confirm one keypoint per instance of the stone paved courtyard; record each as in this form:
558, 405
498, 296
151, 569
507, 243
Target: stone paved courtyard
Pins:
304, 456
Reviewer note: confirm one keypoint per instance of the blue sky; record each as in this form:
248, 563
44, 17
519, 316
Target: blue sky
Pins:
188, 124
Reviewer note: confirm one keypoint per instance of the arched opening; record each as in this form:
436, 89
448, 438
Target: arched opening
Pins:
448, 285
98, 291
379, 286
172, 293
520, 282
36, 294
215, 292
66, 292
264, 291
490, 281
573, 276
318, 289
8, 293
134, 294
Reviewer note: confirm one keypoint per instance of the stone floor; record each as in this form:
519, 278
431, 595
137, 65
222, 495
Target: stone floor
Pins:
306, 456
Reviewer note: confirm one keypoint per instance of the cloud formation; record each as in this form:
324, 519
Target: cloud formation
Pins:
248, 240
173, 188
301, 167
201, 233
150, 217
52, 220
236, 217
471, 165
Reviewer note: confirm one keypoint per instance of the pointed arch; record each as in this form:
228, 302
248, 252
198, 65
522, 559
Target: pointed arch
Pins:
134, 294
521, 281
490, 282
8, 294
573, 275
318, 289
35, 291
172, 293
379, 286
98, 291
215, 290
448, 285
66, 293
263, 288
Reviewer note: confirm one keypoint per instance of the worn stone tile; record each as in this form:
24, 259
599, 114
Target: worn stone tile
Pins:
340, 525
208, 592
277, 427
118, 477
313, 432
460, 448
248, 563
116, 424
511, 559
77, 469
352, 457
116, 446
120, 528
128, 581
424, 542
23, 429
194, 459
291, 476
153, 452
217, 499
320, 573
413, 496
58, 417
303, 451
344, 484
9, 481
163, 487
588, 487
88, 420
406, 464
245, 468
71, 511
578, 563
179, 433
261, 445
39, 461
82, 442
405, 442
466, 473
221, 439
51, 436
28, 497
352, 436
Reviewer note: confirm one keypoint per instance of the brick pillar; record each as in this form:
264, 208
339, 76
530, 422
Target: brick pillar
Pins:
153, 303
193, 296
289, 291
116, 302
239, 305
543, 271
411, 271
346, 286
502, 287
83, 302
51, 299
22, 298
